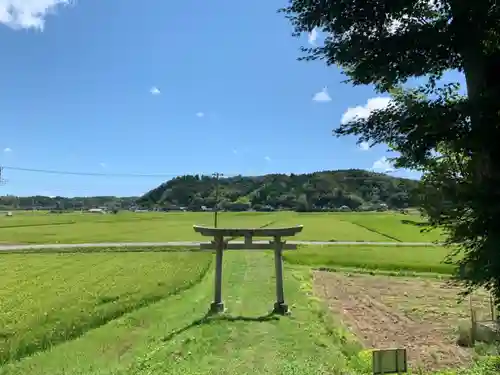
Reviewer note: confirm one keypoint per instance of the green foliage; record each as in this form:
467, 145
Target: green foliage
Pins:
451, 137
302, 192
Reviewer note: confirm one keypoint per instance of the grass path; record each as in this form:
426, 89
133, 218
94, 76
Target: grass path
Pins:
174, 337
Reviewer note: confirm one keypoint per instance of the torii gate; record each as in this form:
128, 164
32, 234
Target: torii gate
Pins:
220, 244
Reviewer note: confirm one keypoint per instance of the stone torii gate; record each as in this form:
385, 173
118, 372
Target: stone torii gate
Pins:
219, 244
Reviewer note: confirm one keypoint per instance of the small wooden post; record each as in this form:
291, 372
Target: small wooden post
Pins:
279, 307
248, 240
473, 322
217, 305
492, 308
389, 361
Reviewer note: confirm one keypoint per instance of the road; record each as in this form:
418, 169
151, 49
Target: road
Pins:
195, 244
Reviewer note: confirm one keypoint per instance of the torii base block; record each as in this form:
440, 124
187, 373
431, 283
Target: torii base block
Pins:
281, 309
217, 308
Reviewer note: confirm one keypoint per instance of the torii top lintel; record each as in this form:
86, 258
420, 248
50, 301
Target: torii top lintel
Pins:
245, 232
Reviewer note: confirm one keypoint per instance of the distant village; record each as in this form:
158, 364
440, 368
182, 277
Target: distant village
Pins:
138, 209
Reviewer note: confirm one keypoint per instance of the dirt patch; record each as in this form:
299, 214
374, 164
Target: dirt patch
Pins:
421, 315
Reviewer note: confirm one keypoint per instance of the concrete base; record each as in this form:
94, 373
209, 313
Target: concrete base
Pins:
217, 308
281, 309
488, 332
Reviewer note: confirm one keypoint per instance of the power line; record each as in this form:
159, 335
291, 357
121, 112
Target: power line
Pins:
97, 174
51, 171
139, 175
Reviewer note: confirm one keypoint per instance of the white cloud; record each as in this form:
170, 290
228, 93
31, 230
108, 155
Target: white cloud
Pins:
312, 36
7, 149
362, 112
383, 164
154, 90
28, 14
365, 146
200, 114
267, 158
322, 96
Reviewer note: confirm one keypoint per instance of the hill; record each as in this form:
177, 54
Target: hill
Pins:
354, 188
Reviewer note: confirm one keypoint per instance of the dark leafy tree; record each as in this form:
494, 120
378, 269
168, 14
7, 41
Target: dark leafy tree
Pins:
399, 200
454, 139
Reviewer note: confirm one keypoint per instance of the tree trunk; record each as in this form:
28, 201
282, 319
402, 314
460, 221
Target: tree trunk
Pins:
472, 30
483, 89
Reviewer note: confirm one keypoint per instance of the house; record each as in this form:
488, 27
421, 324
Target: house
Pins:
382, 207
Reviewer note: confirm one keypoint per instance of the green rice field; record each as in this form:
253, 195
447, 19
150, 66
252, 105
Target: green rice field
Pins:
29, 228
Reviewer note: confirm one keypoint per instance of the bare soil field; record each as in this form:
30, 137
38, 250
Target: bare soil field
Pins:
419, 314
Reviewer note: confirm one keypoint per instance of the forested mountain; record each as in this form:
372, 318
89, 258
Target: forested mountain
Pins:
356, 189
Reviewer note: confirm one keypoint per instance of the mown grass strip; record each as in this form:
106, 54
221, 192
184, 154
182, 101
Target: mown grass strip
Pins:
428, 259
379, 272
37, 225
111, 249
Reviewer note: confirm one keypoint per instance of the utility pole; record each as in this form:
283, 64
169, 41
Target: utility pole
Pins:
2, 180
217, 175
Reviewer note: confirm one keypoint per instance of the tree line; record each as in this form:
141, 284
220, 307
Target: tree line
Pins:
40, 202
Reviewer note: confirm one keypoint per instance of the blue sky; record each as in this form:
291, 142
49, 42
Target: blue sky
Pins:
165, 88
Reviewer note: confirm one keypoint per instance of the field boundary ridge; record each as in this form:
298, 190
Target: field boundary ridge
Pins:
196, 244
